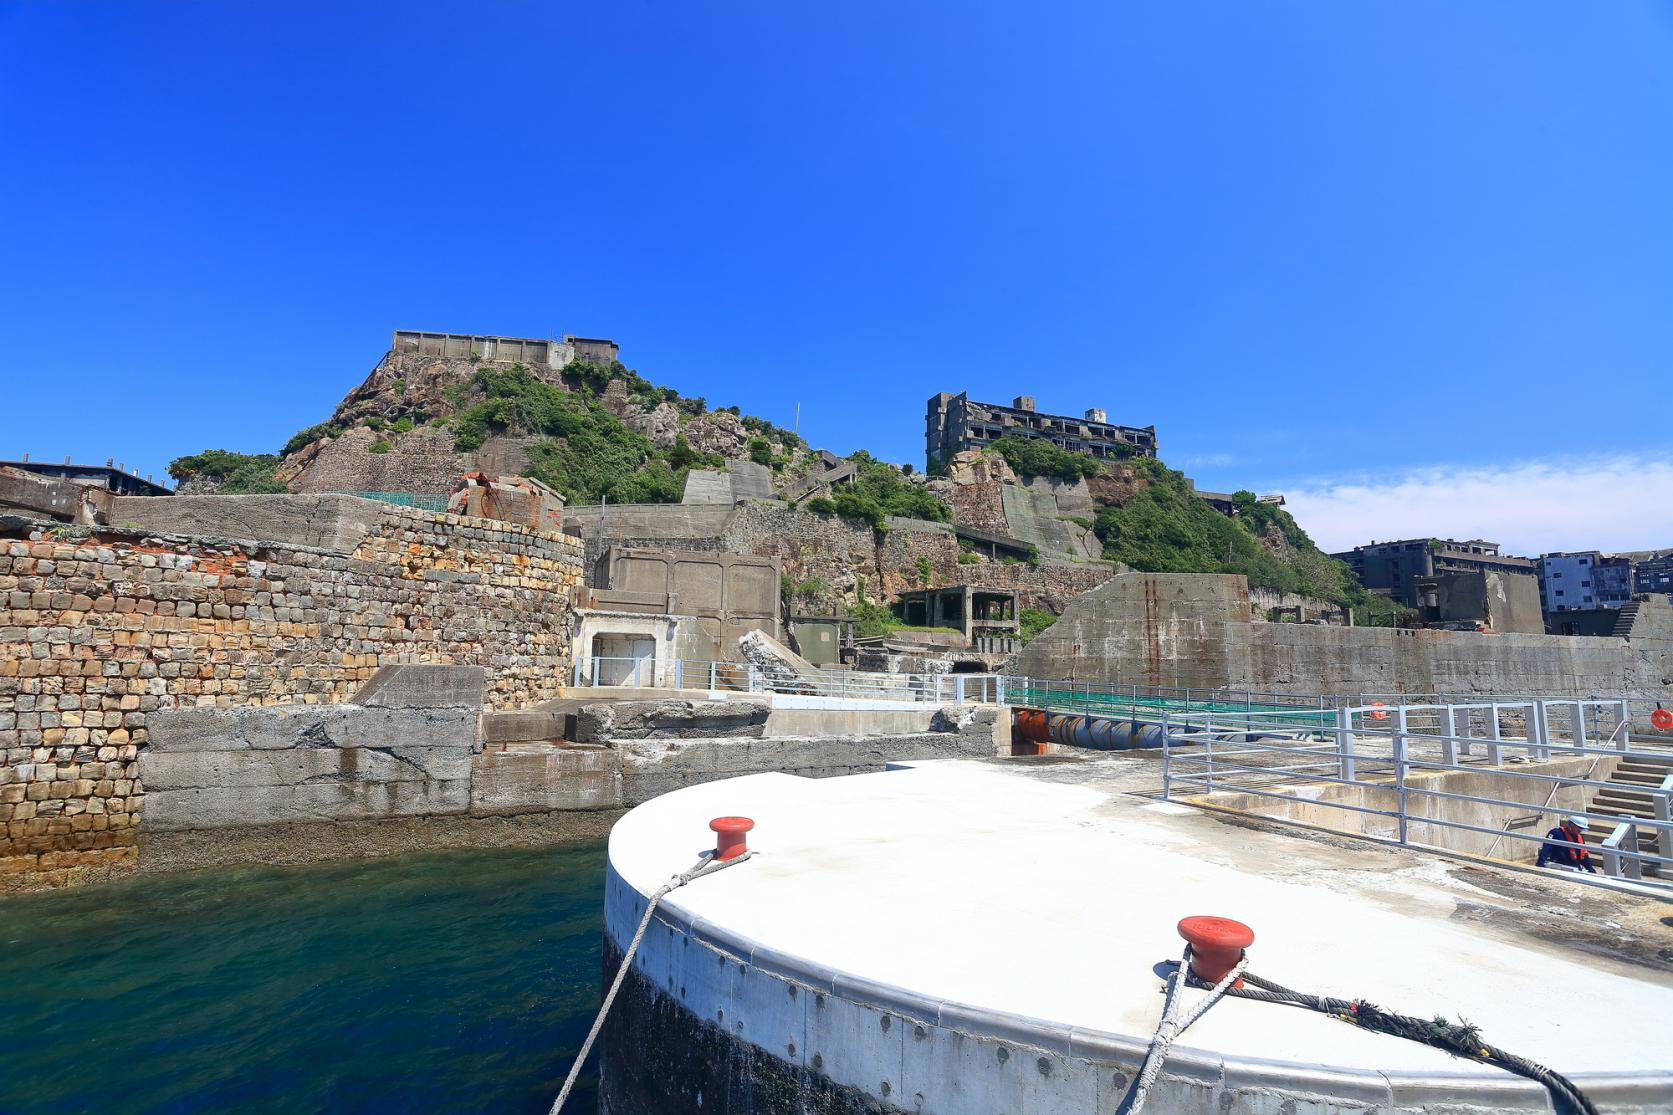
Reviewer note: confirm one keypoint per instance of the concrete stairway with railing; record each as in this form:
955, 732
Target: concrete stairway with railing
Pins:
1630, 796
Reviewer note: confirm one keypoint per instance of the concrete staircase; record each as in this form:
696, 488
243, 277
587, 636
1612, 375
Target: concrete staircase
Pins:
1628, 796
1624, 619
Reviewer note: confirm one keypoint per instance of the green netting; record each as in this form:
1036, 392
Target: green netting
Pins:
424, 501
1148, 706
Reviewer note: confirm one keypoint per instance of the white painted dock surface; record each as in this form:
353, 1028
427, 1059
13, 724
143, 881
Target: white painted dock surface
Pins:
1046, 892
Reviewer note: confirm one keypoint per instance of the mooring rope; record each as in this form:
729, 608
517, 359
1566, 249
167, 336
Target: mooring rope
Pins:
1172, 1025
1457, 1038
706, 866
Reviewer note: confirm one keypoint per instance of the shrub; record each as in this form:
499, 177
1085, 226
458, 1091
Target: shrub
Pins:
400, 386
1033, 621
872, 620
760, 451
379, 446
805, 591
967, 557
1037, 457
304, 438
820, 505
926, 571
402, 425
232, 473
878, 491
372, 423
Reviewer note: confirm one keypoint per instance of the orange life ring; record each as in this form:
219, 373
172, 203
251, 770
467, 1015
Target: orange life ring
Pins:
1662, 719
1375, 714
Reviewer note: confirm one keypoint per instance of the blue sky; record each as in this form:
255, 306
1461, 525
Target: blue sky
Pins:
1353, 252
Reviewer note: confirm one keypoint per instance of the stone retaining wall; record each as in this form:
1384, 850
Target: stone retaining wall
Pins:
98, 631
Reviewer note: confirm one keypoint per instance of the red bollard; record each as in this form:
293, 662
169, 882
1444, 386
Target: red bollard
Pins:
730, 842
1217, 945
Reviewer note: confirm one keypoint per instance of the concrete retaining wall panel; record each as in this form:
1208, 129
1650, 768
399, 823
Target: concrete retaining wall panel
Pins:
223, 807
535, 779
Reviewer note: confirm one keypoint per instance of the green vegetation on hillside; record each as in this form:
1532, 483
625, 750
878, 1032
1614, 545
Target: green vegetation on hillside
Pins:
874, 620
1030, 457
1166, 528
231, 473
591, 454
304, 438
1033, 621
878, 491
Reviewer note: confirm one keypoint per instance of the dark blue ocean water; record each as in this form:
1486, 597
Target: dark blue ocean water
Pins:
446, 981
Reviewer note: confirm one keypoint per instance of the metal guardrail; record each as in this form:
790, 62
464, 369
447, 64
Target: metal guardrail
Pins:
1377, 750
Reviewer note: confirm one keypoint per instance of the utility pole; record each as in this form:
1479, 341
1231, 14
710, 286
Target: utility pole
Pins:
797, 429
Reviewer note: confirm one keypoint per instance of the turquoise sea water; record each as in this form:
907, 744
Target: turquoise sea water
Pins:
446, 981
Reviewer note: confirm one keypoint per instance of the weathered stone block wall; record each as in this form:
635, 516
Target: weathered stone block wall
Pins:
99, 632
422, 460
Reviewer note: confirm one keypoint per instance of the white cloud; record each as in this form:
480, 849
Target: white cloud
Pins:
1605, 503
1209, 460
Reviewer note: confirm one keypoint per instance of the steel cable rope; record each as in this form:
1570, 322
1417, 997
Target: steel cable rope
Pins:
707, 866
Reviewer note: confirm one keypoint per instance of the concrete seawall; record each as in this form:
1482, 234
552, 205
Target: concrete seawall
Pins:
413, 760
1190, 629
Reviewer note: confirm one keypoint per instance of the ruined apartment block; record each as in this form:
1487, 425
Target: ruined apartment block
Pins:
954, 423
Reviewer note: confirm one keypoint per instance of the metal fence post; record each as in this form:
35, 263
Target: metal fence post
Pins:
1400, 766
1167, 760
714, 668
1580, 736
1664, 814
1538, 741
958, 689
749, 679
1208, 763
575, 681
1626, 726
999, 689
1345, 744
679, 673
1449, 746
1495, 752
637, 662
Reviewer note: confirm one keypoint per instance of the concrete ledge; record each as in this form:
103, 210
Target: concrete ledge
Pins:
290, 844
283, 727
225, 807
542, 723
534, 778
423, 685
607, 722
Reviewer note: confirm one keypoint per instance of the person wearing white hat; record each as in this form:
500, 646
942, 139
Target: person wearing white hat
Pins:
1559, 849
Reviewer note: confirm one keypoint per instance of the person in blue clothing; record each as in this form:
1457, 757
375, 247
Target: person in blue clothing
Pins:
1554, 854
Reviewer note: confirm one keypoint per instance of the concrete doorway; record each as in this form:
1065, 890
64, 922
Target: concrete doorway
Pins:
624, 660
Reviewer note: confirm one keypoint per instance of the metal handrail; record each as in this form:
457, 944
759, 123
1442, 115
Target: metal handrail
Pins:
1203, 754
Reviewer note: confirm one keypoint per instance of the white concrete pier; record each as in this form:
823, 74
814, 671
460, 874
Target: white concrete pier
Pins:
973, 937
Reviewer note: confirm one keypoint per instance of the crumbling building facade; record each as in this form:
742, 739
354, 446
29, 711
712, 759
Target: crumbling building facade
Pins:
955, 423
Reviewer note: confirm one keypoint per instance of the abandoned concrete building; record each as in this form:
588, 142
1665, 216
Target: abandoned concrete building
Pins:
648, 611
988, 618
517, 350
1394, 568
955, 423
68, 493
